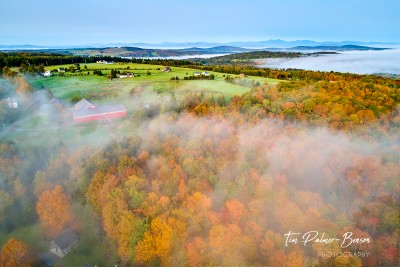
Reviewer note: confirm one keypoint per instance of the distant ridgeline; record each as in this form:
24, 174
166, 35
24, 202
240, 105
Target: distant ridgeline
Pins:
34, 62
246, 57
297, 74
15, 59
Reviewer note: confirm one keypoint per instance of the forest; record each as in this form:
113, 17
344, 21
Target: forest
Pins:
207, 181
16, 59
247, 58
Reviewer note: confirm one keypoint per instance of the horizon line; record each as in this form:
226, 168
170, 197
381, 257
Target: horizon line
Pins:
194, 42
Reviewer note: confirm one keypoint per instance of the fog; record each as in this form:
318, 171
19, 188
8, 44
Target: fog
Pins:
311, 159
285, 176
184, 56
360, 62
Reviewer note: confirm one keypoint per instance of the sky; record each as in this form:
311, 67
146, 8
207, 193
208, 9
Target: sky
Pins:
82, 22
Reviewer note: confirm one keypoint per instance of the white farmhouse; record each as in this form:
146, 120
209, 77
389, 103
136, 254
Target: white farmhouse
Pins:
47, 73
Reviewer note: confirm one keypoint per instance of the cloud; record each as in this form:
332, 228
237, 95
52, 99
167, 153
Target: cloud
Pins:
360, 62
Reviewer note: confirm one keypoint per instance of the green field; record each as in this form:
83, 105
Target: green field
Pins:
94, 86
141, 69
141, 89
88, 86
44, 126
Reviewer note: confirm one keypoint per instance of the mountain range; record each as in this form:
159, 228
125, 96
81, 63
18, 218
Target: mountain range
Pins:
191, 52
276, 43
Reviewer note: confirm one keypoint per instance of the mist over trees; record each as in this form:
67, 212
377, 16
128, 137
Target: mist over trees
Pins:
210, 181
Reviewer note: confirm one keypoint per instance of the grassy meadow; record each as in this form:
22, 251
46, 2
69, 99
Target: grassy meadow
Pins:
46, 127
65, 87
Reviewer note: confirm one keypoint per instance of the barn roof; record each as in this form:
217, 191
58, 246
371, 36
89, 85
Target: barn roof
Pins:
83, 104
66, 239
99, 110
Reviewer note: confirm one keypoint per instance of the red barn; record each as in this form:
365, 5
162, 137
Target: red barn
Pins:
84, 111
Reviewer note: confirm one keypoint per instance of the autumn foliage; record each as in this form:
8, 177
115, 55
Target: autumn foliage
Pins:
213, 181
16, 254
222, 192
53, 208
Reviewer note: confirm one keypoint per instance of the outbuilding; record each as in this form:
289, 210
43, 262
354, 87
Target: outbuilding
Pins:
63, 243
84, 111
47, 73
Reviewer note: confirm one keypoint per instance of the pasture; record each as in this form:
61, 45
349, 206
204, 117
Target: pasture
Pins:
142, 88
46, 126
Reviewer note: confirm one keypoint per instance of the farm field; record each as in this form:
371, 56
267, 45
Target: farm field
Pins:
142, 69
44, 126
101, 89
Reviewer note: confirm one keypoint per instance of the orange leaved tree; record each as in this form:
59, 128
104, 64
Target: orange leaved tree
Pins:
16, 254
54, 210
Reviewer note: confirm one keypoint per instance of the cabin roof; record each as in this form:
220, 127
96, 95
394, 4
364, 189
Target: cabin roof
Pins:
66, 239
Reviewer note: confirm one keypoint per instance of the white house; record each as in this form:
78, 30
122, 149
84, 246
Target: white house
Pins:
196, 73
104, 62
61, 69
63, 243
12, 102
205, 73
128, 75
47, 73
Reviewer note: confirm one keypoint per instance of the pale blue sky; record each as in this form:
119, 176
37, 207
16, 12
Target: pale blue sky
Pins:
79, 22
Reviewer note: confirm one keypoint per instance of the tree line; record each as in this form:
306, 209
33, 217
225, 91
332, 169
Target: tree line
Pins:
247, 57
16, 59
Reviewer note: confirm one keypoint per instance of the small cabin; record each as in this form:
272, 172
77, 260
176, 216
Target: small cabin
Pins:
167, 69
64, 243
205, 73
196, 74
